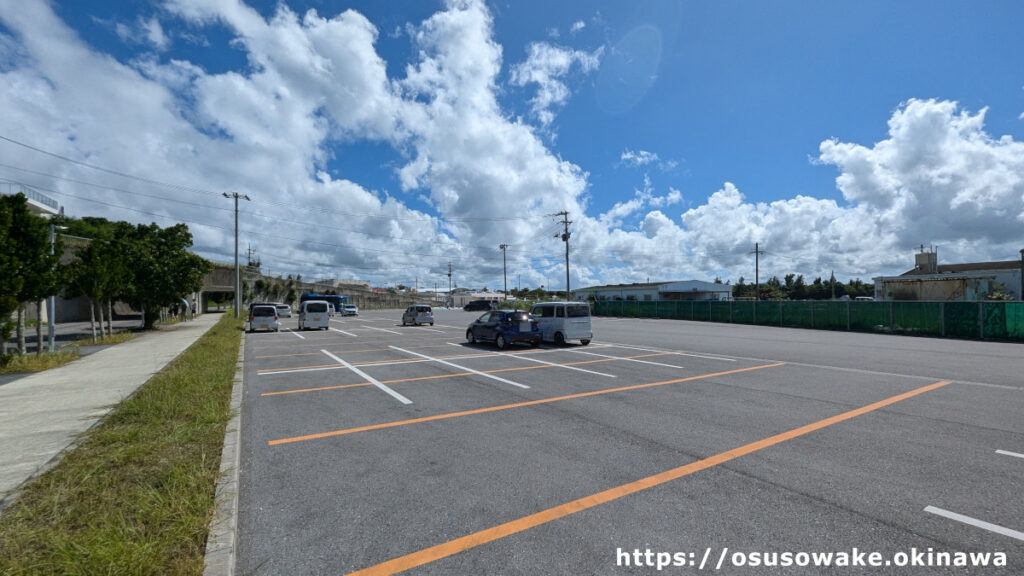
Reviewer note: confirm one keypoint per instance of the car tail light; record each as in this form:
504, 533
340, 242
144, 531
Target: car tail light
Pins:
251, 317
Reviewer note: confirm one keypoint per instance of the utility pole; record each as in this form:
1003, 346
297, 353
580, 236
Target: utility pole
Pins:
448, 301
757, 271
238, 280
504, 268
565, 238
833, 281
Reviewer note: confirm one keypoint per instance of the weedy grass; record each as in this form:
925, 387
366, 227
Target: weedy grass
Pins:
136, 496
32, 363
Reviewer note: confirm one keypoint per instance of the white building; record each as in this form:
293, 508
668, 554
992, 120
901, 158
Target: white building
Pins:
653, 291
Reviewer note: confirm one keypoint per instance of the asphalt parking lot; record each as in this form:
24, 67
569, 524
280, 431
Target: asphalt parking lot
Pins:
380, 448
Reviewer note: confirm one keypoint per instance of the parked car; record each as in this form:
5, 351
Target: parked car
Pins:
350, 310
418, 314
505, 327
481, 305
562, 321
254, 304
263, 317
313, 314
330, 310
283, 310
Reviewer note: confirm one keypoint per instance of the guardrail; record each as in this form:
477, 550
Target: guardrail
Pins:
969, 320
14, 188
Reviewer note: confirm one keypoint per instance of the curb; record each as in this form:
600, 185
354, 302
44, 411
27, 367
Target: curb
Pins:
222, 542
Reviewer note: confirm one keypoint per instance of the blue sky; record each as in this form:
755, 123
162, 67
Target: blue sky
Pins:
383, 139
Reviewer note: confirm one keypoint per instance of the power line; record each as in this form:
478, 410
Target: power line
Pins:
269, 202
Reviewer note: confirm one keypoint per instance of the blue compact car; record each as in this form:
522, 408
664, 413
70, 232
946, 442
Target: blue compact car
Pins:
504, 327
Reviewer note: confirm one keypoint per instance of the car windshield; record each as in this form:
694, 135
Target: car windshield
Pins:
316, 307
264, 311
423, 309
519, 316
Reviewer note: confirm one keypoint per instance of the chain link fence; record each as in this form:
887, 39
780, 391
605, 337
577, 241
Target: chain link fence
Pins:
984, 320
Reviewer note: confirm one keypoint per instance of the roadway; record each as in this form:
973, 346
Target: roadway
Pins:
389, 448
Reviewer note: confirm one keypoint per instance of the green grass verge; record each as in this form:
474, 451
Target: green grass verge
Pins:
137, 495
32, 363
115, 338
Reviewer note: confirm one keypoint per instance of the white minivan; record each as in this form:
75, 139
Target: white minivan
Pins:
313, 315
562, 321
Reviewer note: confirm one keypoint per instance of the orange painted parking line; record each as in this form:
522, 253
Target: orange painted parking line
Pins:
452, 547
295, 368
510, 406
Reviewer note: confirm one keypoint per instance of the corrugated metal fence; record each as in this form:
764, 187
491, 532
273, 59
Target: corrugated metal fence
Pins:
989, 320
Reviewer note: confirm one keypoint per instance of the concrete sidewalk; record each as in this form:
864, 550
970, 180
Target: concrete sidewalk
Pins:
42, 414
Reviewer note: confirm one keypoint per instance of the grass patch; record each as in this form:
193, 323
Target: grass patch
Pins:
115, 338
33, 363
137, 495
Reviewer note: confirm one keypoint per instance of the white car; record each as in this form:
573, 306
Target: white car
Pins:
283, 310
350, 310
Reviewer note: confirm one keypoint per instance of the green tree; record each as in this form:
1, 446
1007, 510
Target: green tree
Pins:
28, 239
10, 263
162, 268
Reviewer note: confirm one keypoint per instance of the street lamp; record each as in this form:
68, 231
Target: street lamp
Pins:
51, 304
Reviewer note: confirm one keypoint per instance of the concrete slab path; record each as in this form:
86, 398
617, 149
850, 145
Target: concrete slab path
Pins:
43, 414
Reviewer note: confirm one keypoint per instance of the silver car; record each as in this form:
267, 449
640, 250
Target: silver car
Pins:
418, 314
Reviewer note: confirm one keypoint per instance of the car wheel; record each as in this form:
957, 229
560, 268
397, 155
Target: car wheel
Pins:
559, 339
535, 343
500, 342
584, 342
431, 323
404, 323
470, 336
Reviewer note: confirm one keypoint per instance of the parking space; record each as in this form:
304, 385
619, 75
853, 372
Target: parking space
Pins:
391, 448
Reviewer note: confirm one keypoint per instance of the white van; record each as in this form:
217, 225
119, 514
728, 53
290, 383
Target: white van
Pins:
562, 321
313, 315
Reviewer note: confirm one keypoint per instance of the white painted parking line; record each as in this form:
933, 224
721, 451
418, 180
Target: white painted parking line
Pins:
438, 360
428, 329
629, 347
381, 329
625, 359
1005, 453
294, 370
532, 359
529, 359
297, 334
975, 522
445, 326
345, 333
369, 378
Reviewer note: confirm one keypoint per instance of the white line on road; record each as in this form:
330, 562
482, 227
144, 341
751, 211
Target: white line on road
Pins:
460, 367
381, 329
293, 370
297, 334
369, 378
626, 359
346, 333
531, 359
672, 351
1005, 453
429, 329
975, 522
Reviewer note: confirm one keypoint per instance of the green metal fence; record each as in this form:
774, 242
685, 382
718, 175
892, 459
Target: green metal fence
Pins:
988, 320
